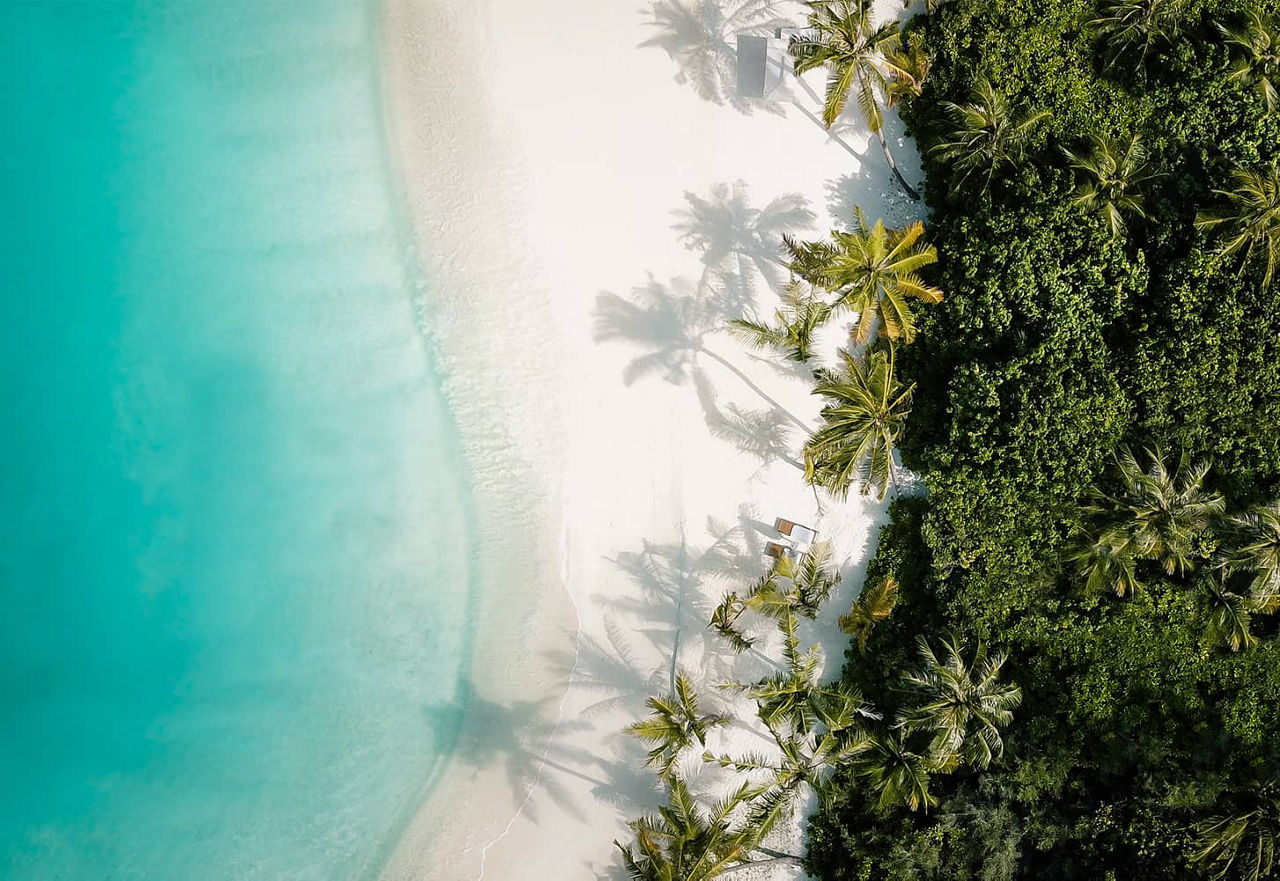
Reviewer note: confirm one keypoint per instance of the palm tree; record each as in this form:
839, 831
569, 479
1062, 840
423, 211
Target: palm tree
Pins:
964, 706
794, 586
1155, 514
1259, 553
1243, 842
909, 65
673, 726
1252, 217
865, 415
809, 759
844, 38
685, 842
1106, 560
1130, 29
816, 728
897, 774
872, 270
874, 603
1114, 172
793, 327
1256, 43
985, 137
1227, 611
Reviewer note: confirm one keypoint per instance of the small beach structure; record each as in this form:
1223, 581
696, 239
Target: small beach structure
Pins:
763, 65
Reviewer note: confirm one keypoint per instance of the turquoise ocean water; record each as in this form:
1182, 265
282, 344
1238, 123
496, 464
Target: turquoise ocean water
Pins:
234, 528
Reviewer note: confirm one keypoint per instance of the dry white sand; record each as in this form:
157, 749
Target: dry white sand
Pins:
589, 211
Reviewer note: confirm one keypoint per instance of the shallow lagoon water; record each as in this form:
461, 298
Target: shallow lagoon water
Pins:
235, 529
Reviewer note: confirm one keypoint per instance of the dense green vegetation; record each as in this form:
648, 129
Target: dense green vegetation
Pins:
1064, 660
1107, 219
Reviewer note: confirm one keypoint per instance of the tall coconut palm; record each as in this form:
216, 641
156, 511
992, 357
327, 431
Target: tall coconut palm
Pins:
875, 602
1104, 556
1259, 553
985, 137
844, 38
1156, 513
685, 842
1113, 173
675, 724
1244, 842
1251, 218
794, 586
862, 421
1227, 611
963, 705
898, 775
817, 729
1130, 30
1255, 43
794, 324
873, 271
809, 757
909, 65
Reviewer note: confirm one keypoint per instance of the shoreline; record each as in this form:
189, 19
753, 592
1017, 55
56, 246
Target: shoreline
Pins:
564, 230
510, 447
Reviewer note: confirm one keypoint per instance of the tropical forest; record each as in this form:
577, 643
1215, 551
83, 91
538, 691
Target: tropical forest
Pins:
1063, 662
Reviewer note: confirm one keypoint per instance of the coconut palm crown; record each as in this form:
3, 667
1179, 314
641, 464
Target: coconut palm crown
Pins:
1251, 219
875, 603
896, 773
873, 271
794, 586
862, 59
963, 705
794, 324
985, 137
1158, 511
1113, 173
674, 724
866, 411
1259, 553
683, 841
1244, 842
1130, 30
1255, 45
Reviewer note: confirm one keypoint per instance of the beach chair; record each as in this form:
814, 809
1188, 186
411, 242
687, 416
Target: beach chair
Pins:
776, 550
802, 536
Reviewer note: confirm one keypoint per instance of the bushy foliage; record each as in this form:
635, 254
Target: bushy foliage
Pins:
1065, 335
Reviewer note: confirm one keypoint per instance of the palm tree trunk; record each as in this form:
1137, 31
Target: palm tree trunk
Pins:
893, 166
757, 863
755, 388
777, 854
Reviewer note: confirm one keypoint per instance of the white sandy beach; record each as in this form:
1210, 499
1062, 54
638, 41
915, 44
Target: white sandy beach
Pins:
586, 207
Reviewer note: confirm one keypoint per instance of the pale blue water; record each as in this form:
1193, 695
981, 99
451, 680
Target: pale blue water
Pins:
234, 524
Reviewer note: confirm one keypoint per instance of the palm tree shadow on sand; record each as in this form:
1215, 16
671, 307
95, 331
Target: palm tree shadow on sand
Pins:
680, 583
738, 242
700, 36
738, 245
524, 738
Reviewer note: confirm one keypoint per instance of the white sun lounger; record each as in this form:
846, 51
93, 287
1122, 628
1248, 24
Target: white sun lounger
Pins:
801, 536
